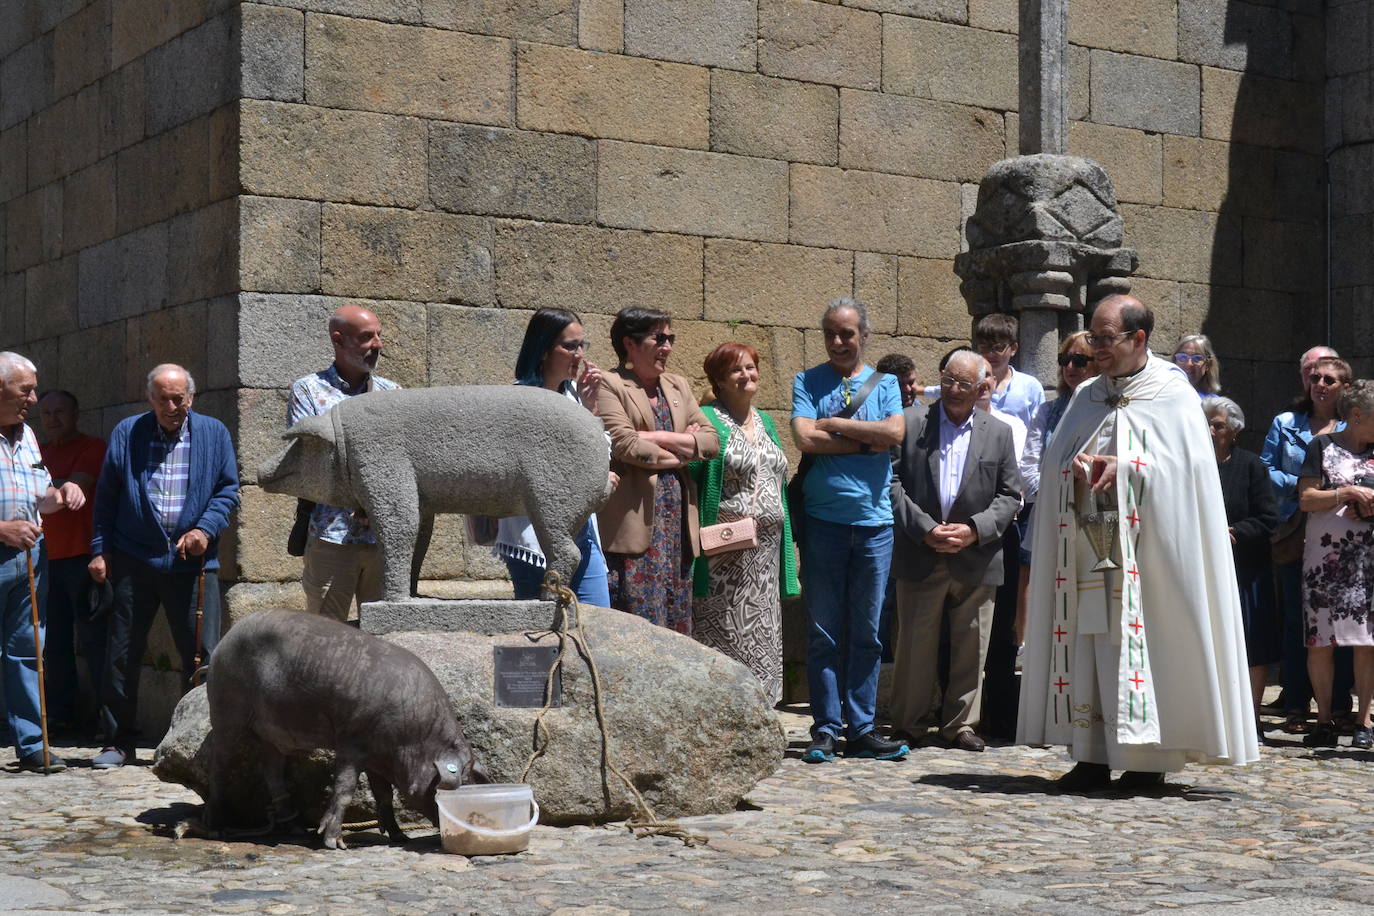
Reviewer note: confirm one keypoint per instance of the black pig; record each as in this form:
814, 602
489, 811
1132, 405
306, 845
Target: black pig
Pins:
284, 682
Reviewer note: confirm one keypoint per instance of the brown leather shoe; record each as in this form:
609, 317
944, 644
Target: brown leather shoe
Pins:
968, 741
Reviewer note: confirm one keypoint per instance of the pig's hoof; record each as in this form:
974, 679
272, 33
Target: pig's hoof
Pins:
398, 837
334, 842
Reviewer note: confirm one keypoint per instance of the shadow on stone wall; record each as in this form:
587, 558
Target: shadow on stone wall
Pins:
1265, 303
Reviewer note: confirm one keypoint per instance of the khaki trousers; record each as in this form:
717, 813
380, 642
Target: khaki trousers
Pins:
335, 574
919, 706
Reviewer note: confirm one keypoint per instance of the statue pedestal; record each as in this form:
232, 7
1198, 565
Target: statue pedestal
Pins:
476, 615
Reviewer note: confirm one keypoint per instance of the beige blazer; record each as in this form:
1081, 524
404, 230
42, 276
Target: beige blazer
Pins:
628, 515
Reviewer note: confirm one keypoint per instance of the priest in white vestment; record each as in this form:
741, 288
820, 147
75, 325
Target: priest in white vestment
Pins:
1135, 653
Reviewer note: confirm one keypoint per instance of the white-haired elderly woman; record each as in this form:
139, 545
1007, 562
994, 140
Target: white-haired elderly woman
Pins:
1195, 357
1251, 515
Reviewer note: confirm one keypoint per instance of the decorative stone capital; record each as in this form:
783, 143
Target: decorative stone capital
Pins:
1046, 237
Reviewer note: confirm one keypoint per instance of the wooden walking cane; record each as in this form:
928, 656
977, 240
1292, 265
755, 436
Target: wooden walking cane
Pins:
200, 617
38, 654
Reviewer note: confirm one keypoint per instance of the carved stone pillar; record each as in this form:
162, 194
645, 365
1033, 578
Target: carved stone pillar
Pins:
1044, 241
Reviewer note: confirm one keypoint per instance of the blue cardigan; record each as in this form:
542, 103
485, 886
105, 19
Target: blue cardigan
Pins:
124, 516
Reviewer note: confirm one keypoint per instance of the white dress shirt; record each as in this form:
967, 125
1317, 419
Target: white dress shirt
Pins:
954, 443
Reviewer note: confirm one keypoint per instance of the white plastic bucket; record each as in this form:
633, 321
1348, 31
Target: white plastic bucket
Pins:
487, 820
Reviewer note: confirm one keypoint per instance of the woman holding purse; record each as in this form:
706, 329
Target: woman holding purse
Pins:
748, 563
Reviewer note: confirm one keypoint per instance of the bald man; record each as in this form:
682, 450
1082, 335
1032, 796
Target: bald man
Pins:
164, 496
1135, 651
342, 560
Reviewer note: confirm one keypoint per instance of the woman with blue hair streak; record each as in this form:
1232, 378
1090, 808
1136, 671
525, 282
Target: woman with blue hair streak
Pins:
554, 356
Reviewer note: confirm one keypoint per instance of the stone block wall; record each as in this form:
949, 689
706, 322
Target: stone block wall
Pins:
1350, 154
206, 180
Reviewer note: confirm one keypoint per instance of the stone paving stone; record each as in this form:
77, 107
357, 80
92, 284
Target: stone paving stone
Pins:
952, 832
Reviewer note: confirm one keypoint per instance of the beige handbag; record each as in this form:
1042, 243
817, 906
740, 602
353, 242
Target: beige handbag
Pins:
740, 534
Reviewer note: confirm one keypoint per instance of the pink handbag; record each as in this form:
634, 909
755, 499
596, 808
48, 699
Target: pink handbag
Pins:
741, 534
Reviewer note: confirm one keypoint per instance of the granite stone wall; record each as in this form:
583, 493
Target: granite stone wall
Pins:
206, 180
1350, 153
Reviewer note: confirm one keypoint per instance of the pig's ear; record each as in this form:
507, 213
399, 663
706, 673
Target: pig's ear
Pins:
321, 427
450, 775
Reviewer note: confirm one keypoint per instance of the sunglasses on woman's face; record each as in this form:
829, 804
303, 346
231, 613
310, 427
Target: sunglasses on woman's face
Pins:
1077, 360
661, 339
1183, 359
1329, 381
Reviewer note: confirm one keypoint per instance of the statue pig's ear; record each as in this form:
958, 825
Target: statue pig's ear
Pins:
321, 427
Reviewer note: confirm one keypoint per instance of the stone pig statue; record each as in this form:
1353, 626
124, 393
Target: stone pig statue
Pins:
285, 682
403, 456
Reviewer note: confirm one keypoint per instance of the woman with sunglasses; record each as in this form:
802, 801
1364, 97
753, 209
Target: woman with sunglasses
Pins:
1285, 448
650, 525
553, 356
1076, 366
1195, 357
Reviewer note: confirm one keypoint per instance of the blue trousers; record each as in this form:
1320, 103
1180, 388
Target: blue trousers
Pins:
844, 575
589, 580
19, 678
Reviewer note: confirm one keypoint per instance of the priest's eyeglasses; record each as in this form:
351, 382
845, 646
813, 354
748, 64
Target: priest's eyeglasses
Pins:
1106, 340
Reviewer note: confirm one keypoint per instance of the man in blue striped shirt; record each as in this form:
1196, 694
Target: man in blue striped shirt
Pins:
25, 490
166, 490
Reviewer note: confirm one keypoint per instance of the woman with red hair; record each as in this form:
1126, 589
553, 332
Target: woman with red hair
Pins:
737, 603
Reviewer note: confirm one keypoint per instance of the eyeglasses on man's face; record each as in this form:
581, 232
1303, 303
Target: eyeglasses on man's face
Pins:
1077, 360
955, 384
986, 349
1106, 340
1184, 359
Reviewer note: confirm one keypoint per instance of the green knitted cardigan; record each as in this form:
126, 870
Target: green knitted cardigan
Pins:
707, 475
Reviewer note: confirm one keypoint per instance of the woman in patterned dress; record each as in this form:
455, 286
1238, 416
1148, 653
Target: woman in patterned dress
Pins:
649, 526
737, 608
1334, 489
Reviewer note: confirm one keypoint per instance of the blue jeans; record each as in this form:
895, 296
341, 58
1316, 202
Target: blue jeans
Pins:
844, 574
19, 679
589, 581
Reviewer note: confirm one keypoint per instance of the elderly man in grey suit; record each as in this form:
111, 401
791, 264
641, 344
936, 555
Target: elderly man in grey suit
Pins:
955, 491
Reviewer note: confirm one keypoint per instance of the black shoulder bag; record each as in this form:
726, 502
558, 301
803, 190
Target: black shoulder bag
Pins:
796, 492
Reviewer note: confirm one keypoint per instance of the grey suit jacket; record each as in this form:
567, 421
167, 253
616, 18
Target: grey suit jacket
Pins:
989, 497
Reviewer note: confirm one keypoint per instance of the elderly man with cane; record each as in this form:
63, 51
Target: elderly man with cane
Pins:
25, 491
164, 497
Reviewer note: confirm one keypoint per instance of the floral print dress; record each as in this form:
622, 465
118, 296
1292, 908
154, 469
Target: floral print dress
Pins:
656, 584
1338, 557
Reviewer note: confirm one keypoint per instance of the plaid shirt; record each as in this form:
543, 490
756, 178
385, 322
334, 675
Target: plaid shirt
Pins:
310, 397
169, 457
23, 476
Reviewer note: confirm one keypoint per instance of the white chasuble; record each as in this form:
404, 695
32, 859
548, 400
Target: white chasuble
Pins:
1141, 666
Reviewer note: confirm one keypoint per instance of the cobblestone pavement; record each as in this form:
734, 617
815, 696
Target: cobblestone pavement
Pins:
942, 832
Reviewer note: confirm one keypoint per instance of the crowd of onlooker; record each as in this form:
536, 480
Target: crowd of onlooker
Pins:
905, 527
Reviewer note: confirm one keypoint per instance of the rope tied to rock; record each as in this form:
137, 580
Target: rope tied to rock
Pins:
644, 822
